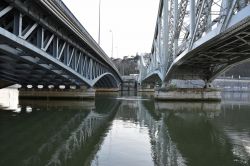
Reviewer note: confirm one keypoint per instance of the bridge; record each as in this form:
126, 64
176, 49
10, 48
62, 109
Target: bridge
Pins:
42, 43
197, 40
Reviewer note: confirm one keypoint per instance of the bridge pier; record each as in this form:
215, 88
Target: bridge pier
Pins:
208, 85
57, 93
172, 92
107, 89
146, 88
186, 94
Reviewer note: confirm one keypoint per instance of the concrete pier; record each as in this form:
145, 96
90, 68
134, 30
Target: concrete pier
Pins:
58, 94
186, 94
107, 89
147, 88
59, 104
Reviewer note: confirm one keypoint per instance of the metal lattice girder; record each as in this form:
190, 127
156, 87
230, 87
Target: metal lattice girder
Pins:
35, 32
202, 16
181, 15
171, 32
218, 38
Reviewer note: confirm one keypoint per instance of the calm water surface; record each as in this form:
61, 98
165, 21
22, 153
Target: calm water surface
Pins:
127, 130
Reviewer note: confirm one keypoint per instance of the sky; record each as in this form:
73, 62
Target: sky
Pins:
131, 21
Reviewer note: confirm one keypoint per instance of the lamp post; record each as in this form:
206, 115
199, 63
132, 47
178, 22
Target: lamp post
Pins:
99, 31
116, 47
112, 43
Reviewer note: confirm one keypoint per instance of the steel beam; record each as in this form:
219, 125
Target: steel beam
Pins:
5, 11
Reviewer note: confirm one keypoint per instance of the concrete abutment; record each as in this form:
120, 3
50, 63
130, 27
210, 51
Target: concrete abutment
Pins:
188, 94
81, 93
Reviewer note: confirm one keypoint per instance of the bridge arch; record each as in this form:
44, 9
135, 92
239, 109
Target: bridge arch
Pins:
198, 47
45, 55
106, 80
152, 77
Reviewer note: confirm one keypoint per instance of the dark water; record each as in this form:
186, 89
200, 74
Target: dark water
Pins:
125, 130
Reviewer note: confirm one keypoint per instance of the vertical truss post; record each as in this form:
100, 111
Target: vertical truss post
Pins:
161, 28
55, 47
40, 38
225, 5
192, 18
159, 38
157, 51
18, 20
91, 69
165, 35
67, 55
175, 27
229, 6
171, 33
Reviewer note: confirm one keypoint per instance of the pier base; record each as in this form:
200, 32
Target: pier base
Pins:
186, 94
58, 94
147, 88
107, 89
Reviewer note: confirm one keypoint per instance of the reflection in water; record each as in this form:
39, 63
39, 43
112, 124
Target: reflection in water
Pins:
127, 142
126, 130
164, 150
235, 123
234, 98
138, 136
207, 135
55, 133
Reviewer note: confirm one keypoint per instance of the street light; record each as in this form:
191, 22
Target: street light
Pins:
116, 51
99, 31
112, 43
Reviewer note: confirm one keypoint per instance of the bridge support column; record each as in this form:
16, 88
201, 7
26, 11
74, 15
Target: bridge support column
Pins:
107, 89
182, 94
146, 88
56, 93
208, 85
170, 92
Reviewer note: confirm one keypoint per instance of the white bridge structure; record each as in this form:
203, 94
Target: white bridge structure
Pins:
197, 40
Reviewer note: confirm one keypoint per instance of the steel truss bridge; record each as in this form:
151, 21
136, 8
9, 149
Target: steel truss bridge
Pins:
197, 39
42, 43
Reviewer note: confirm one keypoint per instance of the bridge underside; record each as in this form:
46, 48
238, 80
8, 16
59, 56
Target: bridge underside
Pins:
209, 60
28, 70
106, 81
25, 69
41, 43
152, 78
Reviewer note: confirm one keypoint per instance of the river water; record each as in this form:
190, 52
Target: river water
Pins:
124, 130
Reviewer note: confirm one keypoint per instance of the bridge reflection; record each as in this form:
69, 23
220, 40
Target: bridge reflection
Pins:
74, 132
195, 133
206, 133
141, 111
58, 132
